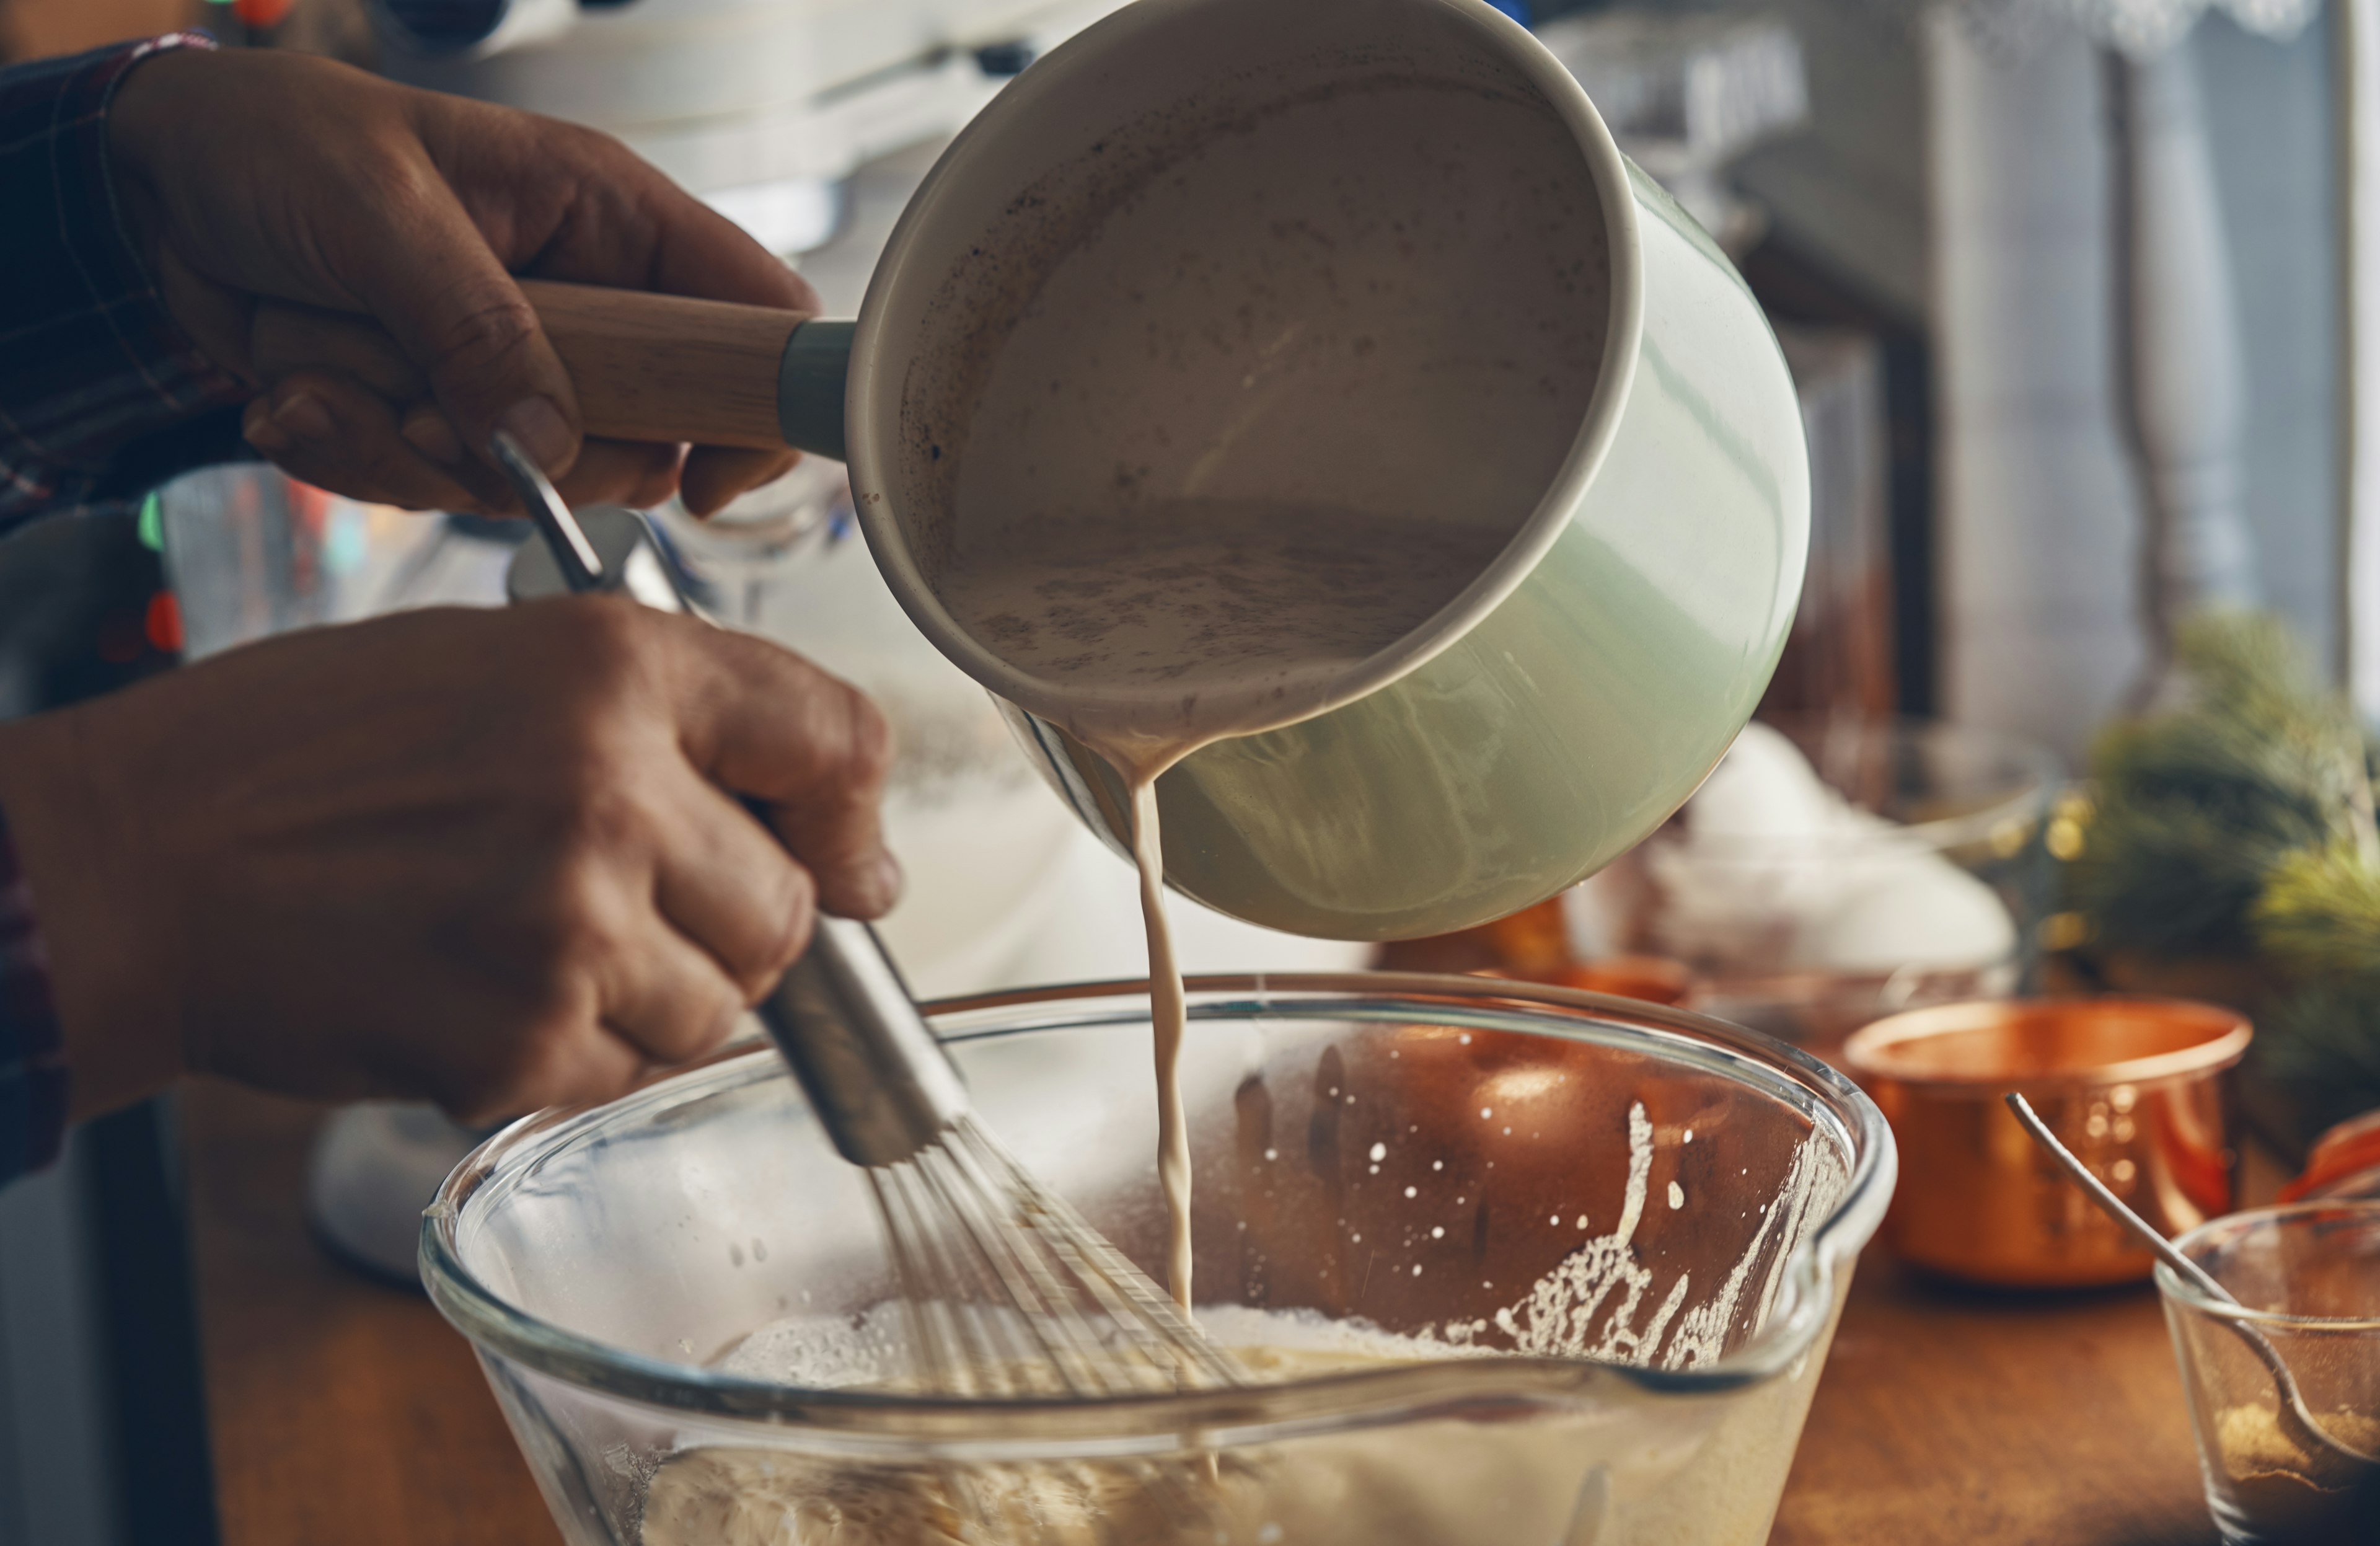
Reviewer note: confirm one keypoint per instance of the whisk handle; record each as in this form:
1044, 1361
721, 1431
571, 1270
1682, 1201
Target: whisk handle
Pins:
879, 1079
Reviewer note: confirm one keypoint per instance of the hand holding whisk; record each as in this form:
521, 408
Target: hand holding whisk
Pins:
1006, 1290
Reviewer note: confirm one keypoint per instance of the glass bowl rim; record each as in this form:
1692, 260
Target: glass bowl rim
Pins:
2036, 798
1810, 1283
2173, 1288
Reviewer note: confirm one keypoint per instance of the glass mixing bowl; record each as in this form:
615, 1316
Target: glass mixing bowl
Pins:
1626, 1229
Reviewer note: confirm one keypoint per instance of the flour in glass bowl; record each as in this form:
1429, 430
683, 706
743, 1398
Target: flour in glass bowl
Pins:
1661, 1472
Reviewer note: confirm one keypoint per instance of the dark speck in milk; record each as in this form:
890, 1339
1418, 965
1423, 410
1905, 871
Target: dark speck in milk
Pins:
1241, 603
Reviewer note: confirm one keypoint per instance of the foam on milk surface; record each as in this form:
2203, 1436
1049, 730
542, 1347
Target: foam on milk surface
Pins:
1201, 618
847, 1352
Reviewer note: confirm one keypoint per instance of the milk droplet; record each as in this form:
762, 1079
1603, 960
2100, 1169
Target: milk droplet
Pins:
1416, 1269
1582, 1220
1438, 1232
1410, 1191
1690, 1135
1272, 1153
1487, 1112
1438, 1164
1677, 1195
1555, 1220
1466, 1039
1374, 1169
1379, 1151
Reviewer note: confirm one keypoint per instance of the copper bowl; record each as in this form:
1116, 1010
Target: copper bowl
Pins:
2135, 1086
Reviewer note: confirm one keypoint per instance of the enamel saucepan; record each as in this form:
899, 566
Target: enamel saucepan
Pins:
1380, 255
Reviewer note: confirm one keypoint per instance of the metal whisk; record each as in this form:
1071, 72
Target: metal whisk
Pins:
1004, 1288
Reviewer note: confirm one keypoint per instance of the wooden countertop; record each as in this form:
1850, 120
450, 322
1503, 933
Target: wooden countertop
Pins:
344, 1411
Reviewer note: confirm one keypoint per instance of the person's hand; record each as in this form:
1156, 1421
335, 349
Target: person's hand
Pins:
490, 857
254, 174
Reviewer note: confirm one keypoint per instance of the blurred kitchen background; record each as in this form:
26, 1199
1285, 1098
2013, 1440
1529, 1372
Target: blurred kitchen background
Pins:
2083, 299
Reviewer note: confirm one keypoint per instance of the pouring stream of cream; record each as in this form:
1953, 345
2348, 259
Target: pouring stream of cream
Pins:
1184, 623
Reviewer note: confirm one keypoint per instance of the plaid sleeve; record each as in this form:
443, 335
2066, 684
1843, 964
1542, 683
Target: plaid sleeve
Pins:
32, 1064
102, 394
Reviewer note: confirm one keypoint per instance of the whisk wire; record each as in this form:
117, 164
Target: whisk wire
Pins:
1126, 1299
1048, 1296
1007, 1291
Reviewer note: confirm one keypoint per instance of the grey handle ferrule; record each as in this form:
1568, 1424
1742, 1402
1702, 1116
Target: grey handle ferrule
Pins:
880, 1083
810, 387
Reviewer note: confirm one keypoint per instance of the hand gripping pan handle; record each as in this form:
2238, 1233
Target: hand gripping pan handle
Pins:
646, 367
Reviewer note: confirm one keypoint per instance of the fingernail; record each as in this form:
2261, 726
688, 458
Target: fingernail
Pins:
427, 432
540, 429
889, 879
303, 416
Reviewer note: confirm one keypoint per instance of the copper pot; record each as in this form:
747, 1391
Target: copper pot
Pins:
2135, 1086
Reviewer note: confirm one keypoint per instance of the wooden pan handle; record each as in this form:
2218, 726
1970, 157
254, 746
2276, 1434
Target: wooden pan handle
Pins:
647, 367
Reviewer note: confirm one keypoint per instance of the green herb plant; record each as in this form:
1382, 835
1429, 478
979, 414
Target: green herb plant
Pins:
2237, 825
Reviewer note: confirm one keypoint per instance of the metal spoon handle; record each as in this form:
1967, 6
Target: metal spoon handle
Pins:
573, 554
2112, 1205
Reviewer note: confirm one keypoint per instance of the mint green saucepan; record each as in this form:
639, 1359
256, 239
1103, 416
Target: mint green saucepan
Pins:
1377, 255
1384, 255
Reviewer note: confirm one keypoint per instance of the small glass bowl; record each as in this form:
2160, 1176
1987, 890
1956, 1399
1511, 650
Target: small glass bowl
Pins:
2307, 1276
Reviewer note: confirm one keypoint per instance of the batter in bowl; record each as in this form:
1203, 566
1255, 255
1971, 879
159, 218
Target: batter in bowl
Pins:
1398, 1487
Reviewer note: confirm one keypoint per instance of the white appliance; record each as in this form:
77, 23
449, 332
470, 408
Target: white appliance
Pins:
763, 106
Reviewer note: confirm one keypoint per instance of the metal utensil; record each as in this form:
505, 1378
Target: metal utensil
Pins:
2346, 1463
1006, 1289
